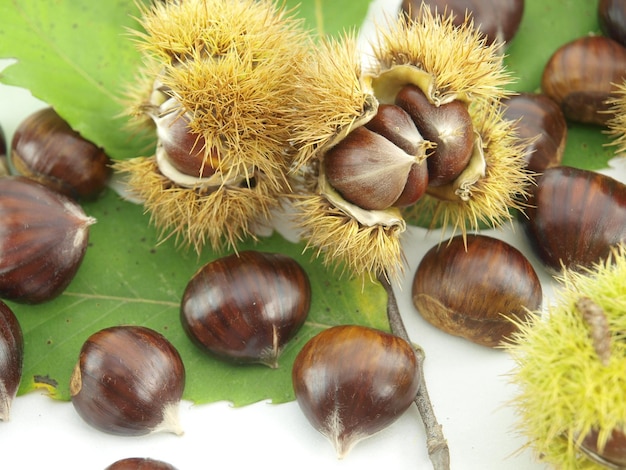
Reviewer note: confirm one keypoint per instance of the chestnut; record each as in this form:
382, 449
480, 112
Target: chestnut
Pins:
612, 454
43, 239
352, 381
245, 307
129, 381
448, 126
46, 149
540, 123
612, 19
581, 77
11, 359
499, 20
476, 287
137, 463
575, 217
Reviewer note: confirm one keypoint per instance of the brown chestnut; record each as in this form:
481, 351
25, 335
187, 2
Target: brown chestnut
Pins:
449, 126
499, 20
245, 307
582, 75
574, 217
475, 287
540, 123
351, 382
372, 172
46, 149
43, 239
129, 381
4, 163
11, 359
612, 19
137, 463
612, 454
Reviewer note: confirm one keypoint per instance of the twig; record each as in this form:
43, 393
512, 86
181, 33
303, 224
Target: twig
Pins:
435, 441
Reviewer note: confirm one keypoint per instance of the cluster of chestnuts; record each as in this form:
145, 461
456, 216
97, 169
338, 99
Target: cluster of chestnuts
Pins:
412, 137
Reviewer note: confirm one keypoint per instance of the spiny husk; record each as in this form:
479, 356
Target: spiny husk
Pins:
503, 187
334, 100
221, 218
234, 65
347, 245
617, 124
459, 59
564, 388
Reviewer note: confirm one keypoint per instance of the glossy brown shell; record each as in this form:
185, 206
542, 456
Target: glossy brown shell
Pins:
497, 19
11, 359
245, 307
47, 149
541, 123
581, 75
126, 379
137, 463
473, 289
360, 377
43, 239
575, 217
612, 19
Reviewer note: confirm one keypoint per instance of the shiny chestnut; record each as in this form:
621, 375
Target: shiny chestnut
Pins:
11, 359
45, 148
475, 287
137, 463
612, 19
582, 75
541, 125
43, 240
499, 20
128, 381
351, 382
574, 217
245, 307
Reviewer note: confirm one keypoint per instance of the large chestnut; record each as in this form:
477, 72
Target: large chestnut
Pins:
351, 381
245, 307
129, 381
46, 149
575, 217
499, 20
43, 239
11, 359
582, 75
477, 287
540, 123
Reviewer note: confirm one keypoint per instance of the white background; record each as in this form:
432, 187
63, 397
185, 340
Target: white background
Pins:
468, 385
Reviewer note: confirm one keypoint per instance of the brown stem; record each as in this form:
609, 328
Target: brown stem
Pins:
435, 441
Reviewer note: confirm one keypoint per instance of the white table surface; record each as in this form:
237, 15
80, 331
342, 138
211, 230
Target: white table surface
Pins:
468, 385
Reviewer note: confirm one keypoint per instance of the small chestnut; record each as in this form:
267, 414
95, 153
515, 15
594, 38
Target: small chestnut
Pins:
612, 454
540, 123
245, 307
43, 239
351, 382
575, 217
582, 75
46, 149
129, 381
4, 164
11, 359
137, 463
473, 287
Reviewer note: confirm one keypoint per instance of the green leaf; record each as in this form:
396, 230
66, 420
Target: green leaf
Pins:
77, 56
331, 17
128, 277
545, 27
